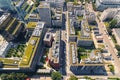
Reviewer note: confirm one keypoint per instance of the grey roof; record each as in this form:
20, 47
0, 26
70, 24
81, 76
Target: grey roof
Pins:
48, 36
117, 30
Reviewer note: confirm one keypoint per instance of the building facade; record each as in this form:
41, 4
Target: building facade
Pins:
104, 4
45, 13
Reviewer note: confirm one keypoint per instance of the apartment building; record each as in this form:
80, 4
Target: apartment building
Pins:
91, 63
55, 55
10, 27
116, 33
48, 39
7, 5
104, 4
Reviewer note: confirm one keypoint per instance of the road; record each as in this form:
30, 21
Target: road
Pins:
106, 38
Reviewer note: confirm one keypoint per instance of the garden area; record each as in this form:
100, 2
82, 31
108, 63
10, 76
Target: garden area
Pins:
111, 67
44, 58
16, 52
83, 53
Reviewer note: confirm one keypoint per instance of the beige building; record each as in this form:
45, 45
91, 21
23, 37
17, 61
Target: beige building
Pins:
48, 39
116, 33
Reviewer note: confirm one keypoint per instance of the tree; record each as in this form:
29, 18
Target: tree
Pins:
117, 47
113, 24
13, 76
119, 53
80, 49
73, 78
3, 76
56, 76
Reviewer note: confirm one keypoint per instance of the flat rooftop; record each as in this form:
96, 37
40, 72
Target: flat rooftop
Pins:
31, 24
29, 52
38, 29
4, 46
117, 30
32, 46
92, 59
48, 36
33, 16
44, 5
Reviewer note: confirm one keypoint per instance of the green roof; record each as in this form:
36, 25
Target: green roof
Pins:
9, 61
29, 52
31, 24
27, 16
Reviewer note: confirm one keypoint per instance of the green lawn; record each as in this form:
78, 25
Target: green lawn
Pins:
83, 56
113, 39
8, 61
29, 52
31, 24
111, 68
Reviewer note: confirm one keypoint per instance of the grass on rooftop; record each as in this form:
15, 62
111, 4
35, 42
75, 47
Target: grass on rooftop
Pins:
29, 52
24, 5
10, 66
31, 24
28, 8
9, 61
27, 16
10, 24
